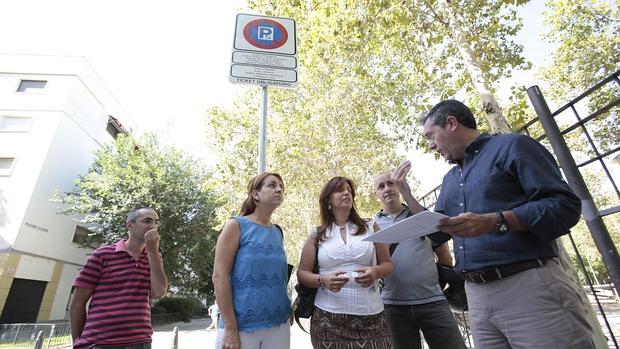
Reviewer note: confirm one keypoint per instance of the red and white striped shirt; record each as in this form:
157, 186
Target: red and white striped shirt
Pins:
120, 309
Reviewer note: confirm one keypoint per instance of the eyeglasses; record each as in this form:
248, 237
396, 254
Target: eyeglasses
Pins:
149, 221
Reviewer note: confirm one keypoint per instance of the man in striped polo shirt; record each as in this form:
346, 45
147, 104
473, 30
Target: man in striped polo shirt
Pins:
119, 280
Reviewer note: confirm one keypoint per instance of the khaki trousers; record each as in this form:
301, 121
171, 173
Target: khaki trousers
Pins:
536, 308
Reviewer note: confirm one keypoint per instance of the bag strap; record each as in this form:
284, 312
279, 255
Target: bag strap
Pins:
315, 270
289, 267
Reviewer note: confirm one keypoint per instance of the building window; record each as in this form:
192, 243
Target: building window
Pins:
15, 123
6, 166
86, 237
114, 127
30, 86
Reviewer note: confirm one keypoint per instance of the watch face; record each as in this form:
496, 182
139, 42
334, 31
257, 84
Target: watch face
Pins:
501, 227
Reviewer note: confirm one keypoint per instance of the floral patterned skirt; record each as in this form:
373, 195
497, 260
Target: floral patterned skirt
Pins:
344, 331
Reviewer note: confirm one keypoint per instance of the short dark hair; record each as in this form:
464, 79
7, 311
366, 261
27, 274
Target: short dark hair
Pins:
440, 112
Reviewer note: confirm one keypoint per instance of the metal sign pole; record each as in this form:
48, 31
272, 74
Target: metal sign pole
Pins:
262, 132
264, 53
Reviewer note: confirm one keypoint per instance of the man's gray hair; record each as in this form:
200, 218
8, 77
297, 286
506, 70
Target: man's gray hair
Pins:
133, 215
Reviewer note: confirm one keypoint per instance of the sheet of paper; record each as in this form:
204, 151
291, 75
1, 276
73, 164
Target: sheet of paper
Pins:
418, 225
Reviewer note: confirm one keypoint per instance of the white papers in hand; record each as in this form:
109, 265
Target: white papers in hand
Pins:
418, 225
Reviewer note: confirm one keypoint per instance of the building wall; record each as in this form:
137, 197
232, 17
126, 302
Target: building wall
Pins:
69, 119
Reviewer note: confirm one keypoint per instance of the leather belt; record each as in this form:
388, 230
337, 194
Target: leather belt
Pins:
503, 271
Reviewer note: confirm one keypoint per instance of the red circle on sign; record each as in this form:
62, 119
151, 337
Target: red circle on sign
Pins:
247, 33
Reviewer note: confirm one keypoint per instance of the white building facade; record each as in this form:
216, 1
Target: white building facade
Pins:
55, 113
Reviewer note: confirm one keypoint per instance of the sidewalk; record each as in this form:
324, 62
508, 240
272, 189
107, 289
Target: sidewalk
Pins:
194, 335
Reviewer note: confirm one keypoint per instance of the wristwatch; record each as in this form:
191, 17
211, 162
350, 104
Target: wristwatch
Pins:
502, 225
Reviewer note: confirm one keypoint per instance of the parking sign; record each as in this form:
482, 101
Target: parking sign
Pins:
264, 51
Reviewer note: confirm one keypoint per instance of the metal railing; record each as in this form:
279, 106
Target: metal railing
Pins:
53, 335
601, 100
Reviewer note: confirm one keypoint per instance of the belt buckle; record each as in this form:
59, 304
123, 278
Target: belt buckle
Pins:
476, 277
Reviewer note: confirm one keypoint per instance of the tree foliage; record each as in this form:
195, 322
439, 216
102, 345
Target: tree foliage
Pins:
588, 45
403, 54
134, 173
308, 143
587, 35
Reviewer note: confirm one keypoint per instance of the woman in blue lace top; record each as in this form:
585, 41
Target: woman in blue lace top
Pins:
250, 272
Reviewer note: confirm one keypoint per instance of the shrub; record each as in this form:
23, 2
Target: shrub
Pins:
157, 309
186, 306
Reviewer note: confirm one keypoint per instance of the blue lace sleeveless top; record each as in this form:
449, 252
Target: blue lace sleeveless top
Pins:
259, 277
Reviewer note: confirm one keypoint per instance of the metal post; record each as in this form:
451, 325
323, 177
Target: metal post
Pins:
49, 341
19, 327
592, 270
589, 210
175, 338
38, 343
262, 130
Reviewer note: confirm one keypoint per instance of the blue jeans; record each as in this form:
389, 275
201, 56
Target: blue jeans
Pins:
434, 319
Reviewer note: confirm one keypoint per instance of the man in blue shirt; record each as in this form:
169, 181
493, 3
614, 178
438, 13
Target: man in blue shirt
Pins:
412, 297
507, 204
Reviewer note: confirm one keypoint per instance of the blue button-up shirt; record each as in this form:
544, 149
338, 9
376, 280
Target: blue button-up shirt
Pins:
501, 173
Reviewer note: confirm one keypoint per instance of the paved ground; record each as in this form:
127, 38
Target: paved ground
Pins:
194, 335
612, 313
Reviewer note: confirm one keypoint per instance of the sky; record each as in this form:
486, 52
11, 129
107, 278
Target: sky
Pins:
168, 61
165, 61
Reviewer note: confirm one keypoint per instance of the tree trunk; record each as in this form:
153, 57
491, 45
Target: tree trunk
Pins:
489, 103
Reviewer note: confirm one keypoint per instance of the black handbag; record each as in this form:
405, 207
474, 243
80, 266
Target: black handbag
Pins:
306, 295
455, 291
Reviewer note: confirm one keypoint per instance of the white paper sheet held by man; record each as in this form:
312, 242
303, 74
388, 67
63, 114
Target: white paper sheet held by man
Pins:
418, 225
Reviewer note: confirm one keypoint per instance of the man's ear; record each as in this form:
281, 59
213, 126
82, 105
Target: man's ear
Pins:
452, 123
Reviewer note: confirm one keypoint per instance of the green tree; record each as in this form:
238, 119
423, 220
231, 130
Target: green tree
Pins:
308, 143
587, 35
588, 45
141, 172
409, 53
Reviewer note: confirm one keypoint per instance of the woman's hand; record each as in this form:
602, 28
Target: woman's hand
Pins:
335, 281
231, 340
366, 277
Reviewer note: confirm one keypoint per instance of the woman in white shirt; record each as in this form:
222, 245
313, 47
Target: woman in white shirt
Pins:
348, 309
